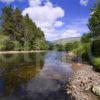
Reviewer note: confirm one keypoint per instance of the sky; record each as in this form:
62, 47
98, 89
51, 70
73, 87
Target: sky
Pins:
56, 18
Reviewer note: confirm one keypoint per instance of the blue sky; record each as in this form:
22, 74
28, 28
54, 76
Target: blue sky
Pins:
57, 18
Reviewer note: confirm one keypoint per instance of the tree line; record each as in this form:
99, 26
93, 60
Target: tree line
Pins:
18, 32
91, 40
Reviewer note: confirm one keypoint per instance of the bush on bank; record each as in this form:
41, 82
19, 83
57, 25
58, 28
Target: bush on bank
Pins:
96, 63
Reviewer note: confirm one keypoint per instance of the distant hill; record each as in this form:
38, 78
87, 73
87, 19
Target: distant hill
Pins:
66, 40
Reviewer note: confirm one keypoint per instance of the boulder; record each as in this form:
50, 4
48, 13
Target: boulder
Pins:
96, 90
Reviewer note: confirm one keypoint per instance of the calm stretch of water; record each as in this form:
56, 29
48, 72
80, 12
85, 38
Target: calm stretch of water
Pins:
34, 76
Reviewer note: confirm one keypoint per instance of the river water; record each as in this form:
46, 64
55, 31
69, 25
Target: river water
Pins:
33, 76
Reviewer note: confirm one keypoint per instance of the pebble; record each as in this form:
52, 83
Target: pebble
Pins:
82, 81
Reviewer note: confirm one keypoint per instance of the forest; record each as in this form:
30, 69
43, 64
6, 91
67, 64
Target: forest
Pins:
18, 32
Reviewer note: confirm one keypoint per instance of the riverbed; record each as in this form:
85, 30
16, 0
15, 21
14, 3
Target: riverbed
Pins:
34, 76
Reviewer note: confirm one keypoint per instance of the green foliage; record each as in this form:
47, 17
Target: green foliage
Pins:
39, 44
94, 26
50, 46
71, 45
86, 38
94, 21
78, 50
21, 31
3, 39
7, 20
95, 47
83, 51
67, 47
96, 63
18, 33
91, 39
59, 47
9, 45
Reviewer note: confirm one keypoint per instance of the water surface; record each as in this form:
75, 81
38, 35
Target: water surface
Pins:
33, 76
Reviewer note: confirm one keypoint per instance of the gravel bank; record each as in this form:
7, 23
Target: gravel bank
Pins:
14, 52
83, 79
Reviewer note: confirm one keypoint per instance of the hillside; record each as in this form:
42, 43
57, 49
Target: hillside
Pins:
66, 40
18, 32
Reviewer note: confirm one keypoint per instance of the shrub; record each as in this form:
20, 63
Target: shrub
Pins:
72, 45
82, 51
96, 63
96, 47
3, 39
86, 38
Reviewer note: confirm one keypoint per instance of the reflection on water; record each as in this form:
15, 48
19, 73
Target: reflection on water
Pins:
33, 76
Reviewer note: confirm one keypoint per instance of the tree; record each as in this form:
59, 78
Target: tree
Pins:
22, 32
95, 47
86, 38
33, 35
59, 47
94, 21
18, 26
69, 46
7, 21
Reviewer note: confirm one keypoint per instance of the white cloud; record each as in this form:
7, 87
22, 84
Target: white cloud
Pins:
58, 24
75, 29
84, 2
70, 33
46, 16
79, 24
34, 3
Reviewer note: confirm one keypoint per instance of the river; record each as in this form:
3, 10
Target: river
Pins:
33, 76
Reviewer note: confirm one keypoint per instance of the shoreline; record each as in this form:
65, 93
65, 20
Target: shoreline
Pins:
82, 81
14, 52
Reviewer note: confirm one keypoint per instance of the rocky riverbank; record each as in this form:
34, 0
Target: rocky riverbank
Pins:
85, 83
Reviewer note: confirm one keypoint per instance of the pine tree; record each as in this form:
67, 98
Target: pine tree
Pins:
18, 25
7, 21
22, 32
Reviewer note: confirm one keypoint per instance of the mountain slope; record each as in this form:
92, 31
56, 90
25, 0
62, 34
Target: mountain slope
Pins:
66, 40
